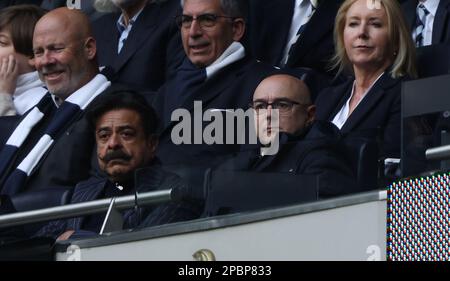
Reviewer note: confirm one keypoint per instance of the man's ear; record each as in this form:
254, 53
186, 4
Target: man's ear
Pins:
238, 29
152, 144
310, 114
90, 48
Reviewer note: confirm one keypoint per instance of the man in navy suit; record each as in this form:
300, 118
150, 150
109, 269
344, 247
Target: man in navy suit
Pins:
435, 17
216, 72
125, 127
293, 33
139, 46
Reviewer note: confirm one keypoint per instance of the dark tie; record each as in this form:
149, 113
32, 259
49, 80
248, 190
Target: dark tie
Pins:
421, 17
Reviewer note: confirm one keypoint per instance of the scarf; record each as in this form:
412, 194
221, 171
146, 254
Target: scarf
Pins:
29, 91
67, 113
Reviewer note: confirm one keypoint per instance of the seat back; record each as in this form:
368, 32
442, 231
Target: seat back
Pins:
362, 155
233, 191
40, 199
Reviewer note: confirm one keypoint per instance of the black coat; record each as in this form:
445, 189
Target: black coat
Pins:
147, 179
314, 153
151, 52
268, 29
230, 88
378, 115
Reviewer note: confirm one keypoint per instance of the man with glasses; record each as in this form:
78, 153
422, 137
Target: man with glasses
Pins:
305, 146
216, 72
139, 46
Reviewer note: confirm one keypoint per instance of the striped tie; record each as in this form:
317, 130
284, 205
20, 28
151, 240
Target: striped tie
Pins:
422, 14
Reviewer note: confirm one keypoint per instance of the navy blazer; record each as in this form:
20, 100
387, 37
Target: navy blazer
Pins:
441, 25
378, 115
147, 179
268, 29
151, 52
230, 88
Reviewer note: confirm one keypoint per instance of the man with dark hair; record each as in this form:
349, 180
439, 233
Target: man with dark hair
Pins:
140, 44
216, 72
125, 128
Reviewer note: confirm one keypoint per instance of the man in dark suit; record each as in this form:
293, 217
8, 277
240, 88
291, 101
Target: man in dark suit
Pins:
305, 146
125, 127
64, 56
291, 33
431, 18
139, 46
216, 73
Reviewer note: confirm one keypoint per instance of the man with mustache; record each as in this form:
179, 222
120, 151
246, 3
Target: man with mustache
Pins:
65, 58
216, 72
125, 127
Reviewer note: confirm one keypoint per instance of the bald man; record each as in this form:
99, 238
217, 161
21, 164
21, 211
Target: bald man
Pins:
51, 146
305, 146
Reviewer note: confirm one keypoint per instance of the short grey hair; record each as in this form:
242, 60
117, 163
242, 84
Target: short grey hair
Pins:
232, 8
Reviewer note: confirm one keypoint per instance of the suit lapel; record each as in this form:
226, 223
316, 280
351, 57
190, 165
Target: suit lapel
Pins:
314, 31
87, 193
141, 31
213, 87
110, 37
440, 21
369, 101
282, 12
409, 11
334, 101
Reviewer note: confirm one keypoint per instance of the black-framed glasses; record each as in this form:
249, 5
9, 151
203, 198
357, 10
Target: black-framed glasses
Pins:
283, 106
204, 20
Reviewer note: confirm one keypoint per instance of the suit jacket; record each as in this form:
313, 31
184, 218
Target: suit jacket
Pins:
151, 52
268, 29
441, 25
230, 88
151, 178
314, 152
377, 116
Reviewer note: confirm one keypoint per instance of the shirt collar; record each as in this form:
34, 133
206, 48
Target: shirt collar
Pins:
314, 3
120, 22
431, 5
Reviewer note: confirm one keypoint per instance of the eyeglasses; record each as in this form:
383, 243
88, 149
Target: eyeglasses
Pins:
283, 106
205, 20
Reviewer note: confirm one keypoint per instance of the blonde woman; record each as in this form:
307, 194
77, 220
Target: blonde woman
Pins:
374, 46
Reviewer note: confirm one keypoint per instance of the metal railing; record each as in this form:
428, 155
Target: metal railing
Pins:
438, 153
85, 208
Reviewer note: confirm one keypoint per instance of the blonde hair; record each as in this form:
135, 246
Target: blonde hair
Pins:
401, 43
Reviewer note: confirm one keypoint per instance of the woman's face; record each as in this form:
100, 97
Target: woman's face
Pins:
366, 37
7, 48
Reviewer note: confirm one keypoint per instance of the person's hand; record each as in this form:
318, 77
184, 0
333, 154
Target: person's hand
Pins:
9, 71
66, 235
